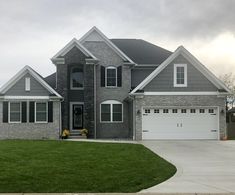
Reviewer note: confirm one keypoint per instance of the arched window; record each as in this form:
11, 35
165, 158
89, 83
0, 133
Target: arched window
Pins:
111, 111
76, 81
111, 76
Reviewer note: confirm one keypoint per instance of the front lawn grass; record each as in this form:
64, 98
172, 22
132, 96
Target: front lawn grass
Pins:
62, 166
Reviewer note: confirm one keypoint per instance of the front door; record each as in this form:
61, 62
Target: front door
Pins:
77, 116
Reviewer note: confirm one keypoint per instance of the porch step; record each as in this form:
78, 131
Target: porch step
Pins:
76, 134
77, 137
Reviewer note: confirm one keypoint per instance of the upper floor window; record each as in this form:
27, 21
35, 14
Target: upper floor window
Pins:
111, 76
111, 111
77, 80
180, 75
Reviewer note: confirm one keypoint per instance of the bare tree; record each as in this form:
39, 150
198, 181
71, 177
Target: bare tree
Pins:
229, 81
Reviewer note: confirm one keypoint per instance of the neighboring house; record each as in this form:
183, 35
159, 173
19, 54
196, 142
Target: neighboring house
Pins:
231, 123
116, 88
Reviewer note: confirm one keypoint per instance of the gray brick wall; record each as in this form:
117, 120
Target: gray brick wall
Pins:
74, 58
31, 130
108, 57
158, 101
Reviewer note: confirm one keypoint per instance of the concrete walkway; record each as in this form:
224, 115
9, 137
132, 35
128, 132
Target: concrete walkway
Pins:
202, 166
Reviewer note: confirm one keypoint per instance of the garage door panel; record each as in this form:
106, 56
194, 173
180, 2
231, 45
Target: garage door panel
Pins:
180, 125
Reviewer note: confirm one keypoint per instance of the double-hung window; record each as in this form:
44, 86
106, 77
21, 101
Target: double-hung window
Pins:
111, 76
111, 111
180, 75
15, 112
41, 112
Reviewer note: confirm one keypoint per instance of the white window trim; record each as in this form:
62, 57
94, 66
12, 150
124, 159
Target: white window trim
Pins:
35, 112
27, 84
111, 103
71, 81
9, 113
110, 67
185, 75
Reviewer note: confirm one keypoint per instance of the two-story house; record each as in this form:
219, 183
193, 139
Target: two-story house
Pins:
115, 88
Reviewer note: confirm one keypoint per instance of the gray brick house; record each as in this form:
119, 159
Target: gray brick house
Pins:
115, 88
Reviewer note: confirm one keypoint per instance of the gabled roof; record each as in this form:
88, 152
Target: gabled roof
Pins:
198, 65
34, 74
51, 80
107, 41
73, 43
142, 52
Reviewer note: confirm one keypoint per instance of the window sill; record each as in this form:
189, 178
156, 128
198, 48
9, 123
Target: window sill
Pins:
180, 86
77, 88
111, 122
41, 122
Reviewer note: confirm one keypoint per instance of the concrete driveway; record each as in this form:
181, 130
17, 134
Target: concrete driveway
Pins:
202, 166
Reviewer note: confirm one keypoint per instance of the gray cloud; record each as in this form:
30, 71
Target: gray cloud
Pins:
32, 31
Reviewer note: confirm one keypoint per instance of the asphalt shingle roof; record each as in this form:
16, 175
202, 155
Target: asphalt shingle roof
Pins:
142, 52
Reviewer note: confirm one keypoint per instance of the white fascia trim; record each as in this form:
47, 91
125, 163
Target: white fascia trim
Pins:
107, 41
13, 80
73, 43
156, 71
183, 93
192, 59
25, 97
20, 74
205, 71
40, 80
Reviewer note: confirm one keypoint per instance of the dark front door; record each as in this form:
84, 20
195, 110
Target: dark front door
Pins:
77, 116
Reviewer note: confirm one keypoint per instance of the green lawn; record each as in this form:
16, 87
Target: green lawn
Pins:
62, 166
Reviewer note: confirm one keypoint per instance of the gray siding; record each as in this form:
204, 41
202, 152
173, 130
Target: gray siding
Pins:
159, 101
165, 80
108, 57
138, 75
36, 89
31, 130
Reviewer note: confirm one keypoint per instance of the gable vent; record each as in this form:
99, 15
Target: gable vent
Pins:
27, 84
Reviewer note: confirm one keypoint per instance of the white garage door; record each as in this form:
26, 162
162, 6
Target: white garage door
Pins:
179, 123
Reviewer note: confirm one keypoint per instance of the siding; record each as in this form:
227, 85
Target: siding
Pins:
108, 57
165, 80
36, 89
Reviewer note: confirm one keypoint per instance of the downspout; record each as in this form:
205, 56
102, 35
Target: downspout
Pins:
134, 119
95, 100
60, 126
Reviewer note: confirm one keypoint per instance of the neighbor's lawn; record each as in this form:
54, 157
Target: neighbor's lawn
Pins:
61, 166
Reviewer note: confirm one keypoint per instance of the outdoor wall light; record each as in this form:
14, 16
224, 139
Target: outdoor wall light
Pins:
138, 112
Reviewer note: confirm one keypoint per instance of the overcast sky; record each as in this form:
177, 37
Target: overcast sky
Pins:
32, 31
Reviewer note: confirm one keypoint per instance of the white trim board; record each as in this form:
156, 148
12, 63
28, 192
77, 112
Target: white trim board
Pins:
34, 74
73, 43
183, 93
25, 97
107, 41
198, 65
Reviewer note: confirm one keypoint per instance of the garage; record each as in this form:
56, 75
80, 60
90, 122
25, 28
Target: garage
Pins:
180, 123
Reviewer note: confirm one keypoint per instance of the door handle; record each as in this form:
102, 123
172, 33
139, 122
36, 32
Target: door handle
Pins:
145, 130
